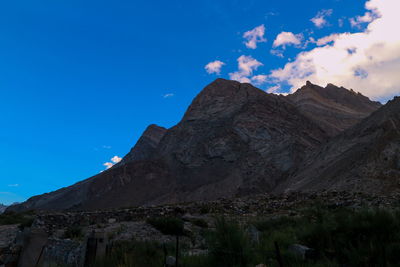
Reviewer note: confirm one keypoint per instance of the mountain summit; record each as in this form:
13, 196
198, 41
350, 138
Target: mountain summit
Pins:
333, 108
235, 140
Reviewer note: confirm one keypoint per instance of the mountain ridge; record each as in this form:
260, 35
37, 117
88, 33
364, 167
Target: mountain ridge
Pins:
233, 140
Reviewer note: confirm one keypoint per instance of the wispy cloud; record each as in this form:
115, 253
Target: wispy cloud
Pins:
259, 79
246, 66
255, 36
320, 19
358, 21
214, 67
168, 95
13, 185
277, 52
273, 89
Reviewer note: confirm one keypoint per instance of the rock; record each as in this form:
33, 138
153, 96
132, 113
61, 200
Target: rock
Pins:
301, 251
261, 265
170, 261
254, 234
334, 108
112, 220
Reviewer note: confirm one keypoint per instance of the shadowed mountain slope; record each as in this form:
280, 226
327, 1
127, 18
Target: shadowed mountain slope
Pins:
333, 108
364, 158
233, 140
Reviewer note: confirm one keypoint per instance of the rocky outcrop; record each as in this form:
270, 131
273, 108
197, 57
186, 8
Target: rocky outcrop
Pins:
364, 158
146, 145
333, 108
235, 139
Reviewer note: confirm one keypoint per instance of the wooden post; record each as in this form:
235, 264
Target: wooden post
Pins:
40, 257
278, 254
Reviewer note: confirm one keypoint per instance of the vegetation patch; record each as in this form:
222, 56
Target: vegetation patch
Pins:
167, 225
24, 219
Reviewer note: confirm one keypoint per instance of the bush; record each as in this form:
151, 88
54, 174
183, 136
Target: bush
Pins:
229, 245
133, 254
73, 232
200, 223
24, 219
167, 225
362, 238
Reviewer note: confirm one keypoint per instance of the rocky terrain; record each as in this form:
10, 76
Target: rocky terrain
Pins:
65, 238
365, 158
236, 140
333, 108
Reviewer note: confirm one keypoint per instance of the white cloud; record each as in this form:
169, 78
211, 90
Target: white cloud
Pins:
259, 79
287, 38
328, 39
359, 20
368, 61
255, 36
214, 67
277, 52
273, 89
114, 160
320, 19
168, 95
246, 66
108, 165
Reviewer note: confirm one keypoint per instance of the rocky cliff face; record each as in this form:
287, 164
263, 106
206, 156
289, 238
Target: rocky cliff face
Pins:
365, 158
333, 108
146, 145
234, 140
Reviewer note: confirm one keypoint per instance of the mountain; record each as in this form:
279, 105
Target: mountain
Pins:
233, 140
333, 108
146, 145
364, 158
2, 208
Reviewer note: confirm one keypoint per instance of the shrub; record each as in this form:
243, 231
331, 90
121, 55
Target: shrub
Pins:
229, 245
73, 232
24, 219
133, 254
200, 223
362, 238
167, 225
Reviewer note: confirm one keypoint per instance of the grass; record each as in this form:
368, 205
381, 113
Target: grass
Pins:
341, 237
133, 254
167, 225
24, 219
73, 232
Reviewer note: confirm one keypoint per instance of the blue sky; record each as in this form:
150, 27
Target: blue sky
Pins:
81, 80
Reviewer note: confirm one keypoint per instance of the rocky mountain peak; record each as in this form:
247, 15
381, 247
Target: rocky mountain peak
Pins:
220, 99
334, 108
146, 144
